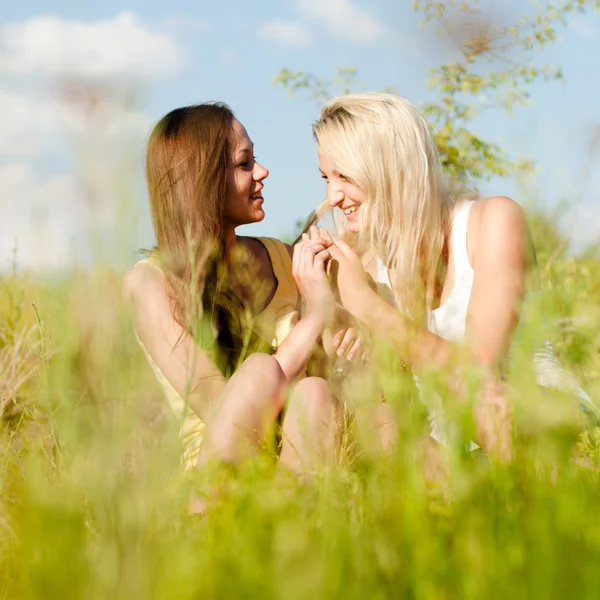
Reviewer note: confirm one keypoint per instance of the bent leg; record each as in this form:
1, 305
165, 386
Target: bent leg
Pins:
377, 428
253, 398
310, 427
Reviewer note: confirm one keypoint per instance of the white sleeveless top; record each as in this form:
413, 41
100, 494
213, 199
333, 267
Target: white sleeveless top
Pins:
450, 319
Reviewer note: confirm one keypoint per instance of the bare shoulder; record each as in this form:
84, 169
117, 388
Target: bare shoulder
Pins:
497, 210
497, 215
260, 249
498, 225
142, 281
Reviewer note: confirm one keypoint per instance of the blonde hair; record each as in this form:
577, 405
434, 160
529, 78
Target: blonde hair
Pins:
383, 145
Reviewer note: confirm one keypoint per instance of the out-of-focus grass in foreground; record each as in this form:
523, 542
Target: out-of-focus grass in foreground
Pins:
94, 504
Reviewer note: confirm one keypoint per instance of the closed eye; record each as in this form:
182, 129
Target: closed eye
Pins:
245, 164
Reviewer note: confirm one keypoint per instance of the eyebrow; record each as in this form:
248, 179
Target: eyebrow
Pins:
336, 173
246, 150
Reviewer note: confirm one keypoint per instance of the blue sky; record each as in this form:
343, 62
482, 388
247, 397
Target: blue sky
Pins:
180, 53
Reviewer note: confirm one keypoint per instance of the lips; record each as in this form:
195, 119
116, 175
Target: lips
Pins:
351, 212
257, 195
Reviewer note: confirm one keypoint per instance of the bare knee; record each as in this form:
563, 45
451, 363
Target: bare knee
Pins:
310, 427
263, 370
377, 426
262, 376
313, 394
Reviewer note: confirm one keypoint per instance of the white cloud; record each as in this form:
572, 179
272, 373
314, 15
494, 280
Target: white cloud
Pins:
67, 102
285, 32
37, 122
60, 220
119, 50
25, 123
344, 19
40, 217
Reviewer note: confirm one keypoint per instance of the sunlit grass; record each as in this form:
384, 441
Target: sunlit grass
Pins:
94, 504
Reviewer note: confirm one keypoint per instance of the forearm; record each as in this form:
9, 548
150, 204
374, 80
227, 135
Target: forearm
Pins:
296, 349
413, 343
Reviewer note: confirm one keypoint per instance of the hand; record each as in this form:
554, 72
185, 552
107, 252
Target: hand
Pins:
349, 342
308, 268
352, 281
493, 420
321, 235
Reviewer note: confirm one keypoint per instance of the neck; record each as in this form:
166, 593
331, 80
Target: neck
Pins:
230, 241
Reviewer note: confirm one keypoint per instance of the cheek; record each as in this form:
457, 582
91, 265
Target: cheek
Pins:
355, 193
243, 181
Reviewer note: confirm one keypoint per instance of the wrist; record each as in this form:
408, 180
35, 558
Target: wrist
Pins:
317, 318
363, 304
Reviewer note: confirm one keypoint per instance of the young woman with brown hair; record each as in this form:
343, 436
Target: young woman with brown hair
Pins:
217, 313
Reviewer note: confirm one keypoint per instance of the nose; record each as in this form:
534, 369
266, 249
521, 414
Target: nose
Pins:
335, 196
260, 172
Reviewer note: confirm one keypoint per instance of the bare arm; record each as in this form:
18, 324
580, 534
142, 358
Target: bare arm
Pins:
308, 268
295, 351
500, 261
500, 265
341, 335
188, 368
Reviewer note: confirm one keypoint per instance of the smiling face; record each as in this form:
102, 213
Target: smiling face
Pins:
245, 177
341, 192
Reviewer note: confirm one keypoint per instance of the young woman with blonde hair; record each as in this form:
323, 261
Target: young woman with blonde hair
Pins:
217, 313
457, 269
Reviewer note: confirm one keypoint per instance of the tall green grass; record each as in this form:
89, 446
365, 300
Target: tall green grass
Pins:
94, 505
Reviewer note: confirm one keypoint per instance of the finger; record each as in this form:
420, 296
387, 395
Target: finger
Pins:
314, 247
355, 349
325, 235
344, 248
316, 235
347, 341
301, 260
363, 357
338, 337
336, 253
306, 259
320, 259
296, 259
305, 237
310, 250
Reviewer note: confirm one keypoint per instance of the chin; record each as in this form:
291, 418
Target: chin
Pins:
258, 216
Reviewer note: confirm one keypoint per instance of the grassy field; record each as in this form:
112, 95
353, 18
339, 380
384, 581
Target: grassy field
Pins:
94, 505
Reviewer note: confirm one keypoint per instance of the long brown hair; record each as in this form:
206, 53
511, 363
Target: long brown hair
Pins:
186, 169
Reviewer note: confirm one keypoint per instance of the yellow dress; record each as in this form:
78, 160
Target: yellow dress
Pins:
273, 325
